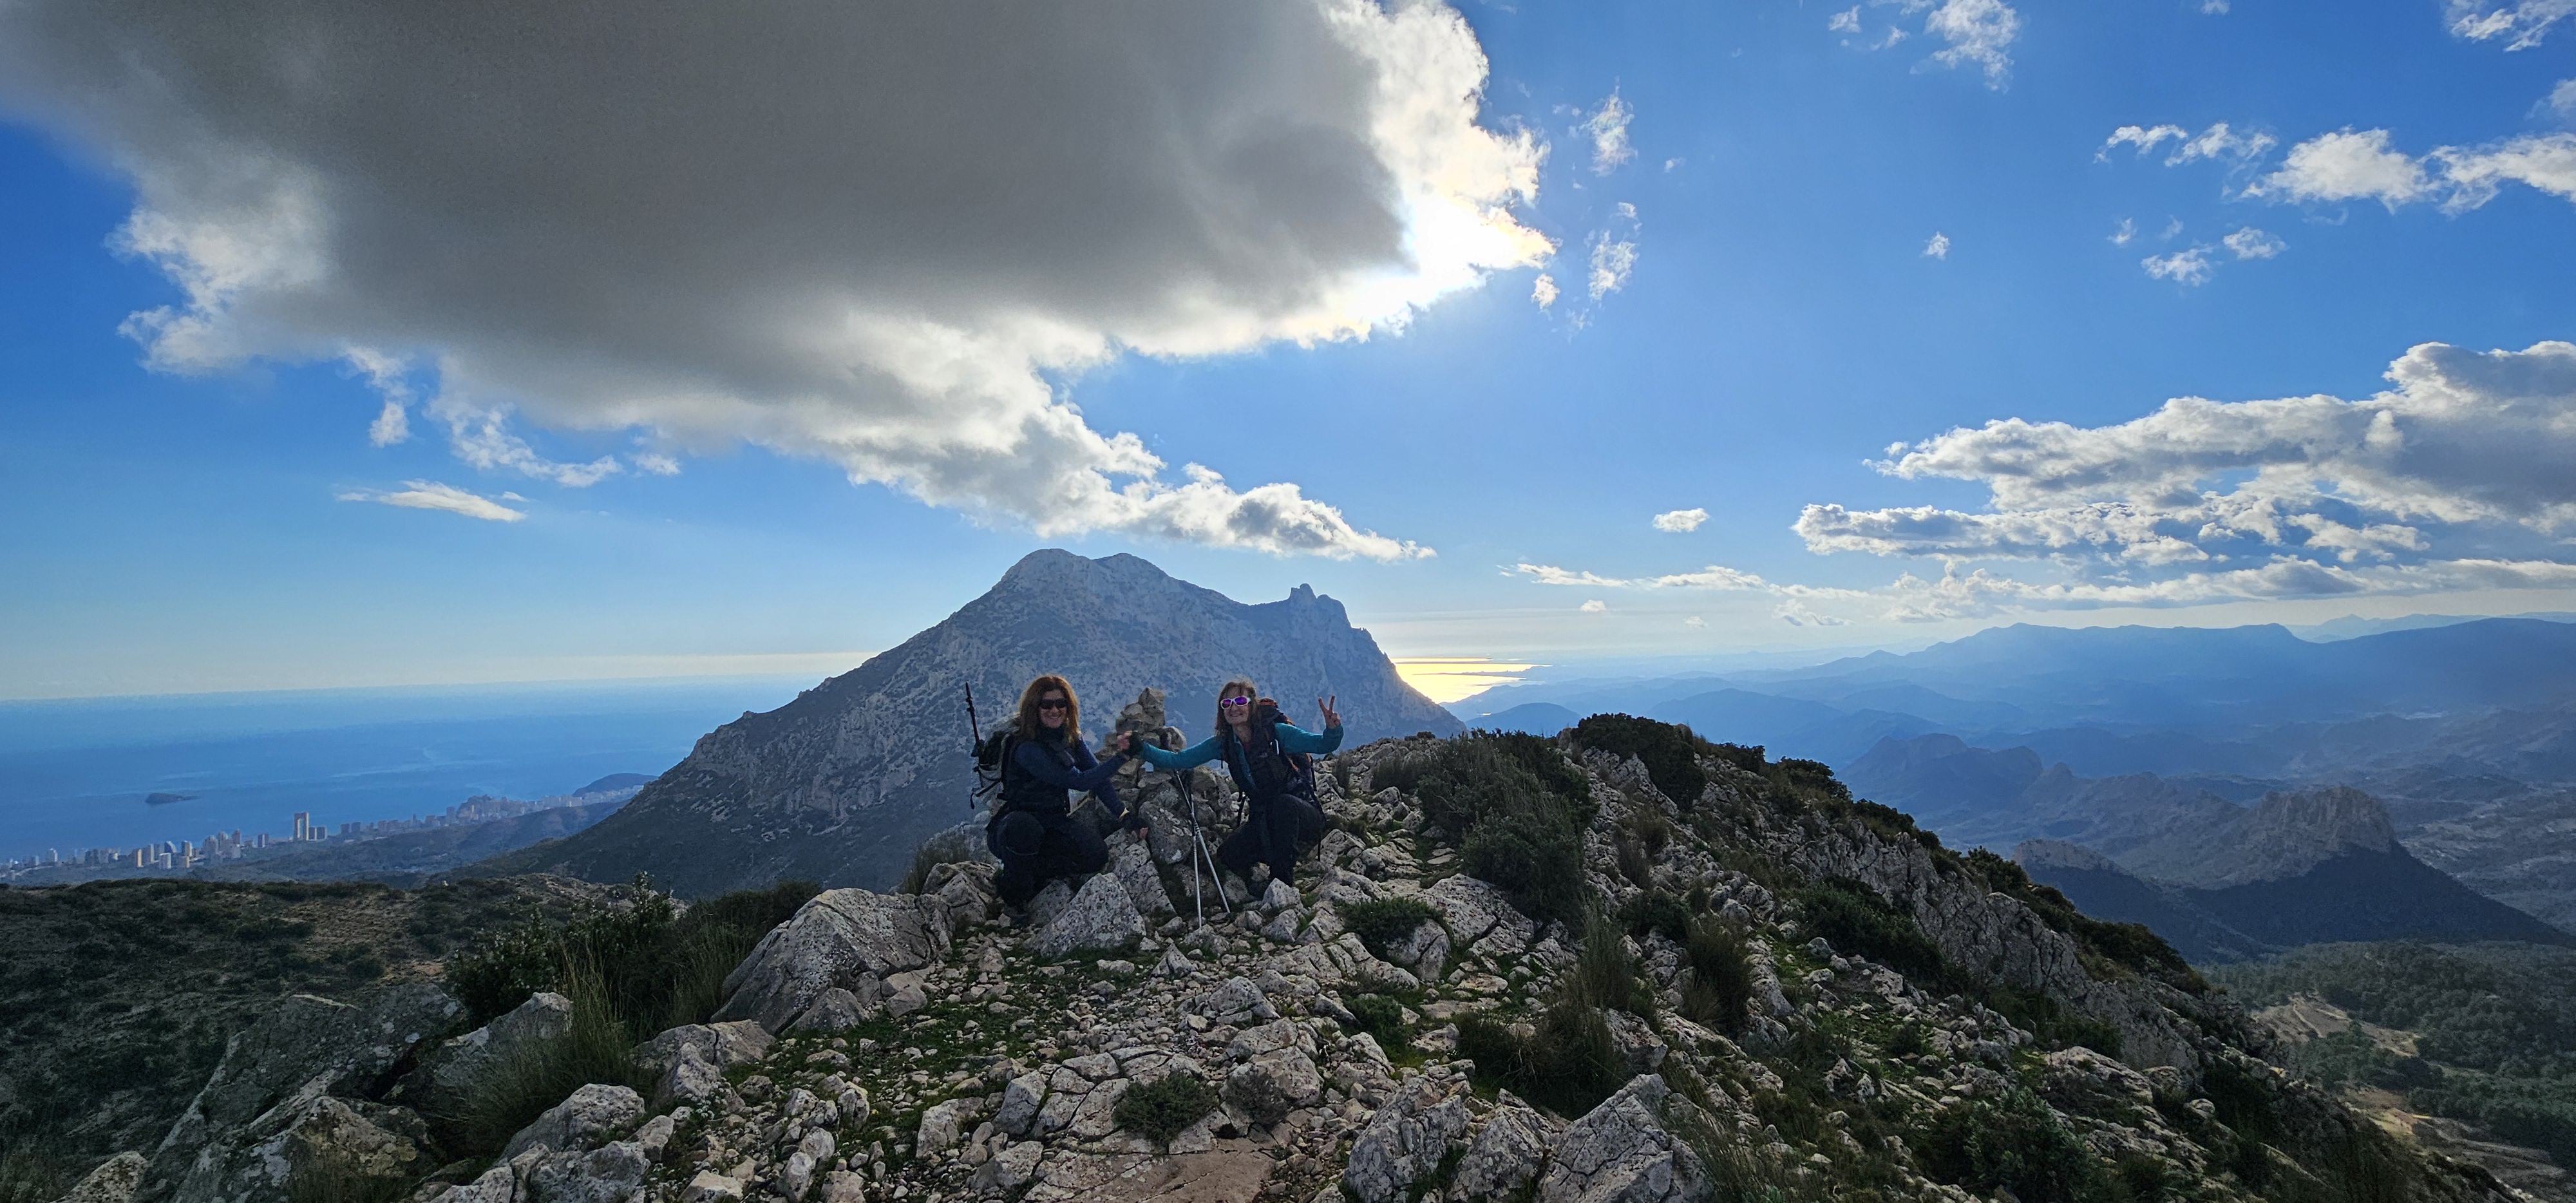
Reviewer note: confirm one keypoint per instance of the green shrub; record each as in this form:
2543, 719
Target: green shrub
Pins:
1568, 1065
1670, 752
1721, 977
1655, 910
1854, 919
1515, 805
500, 971
1379, 1016
1165, 1107
1633, 864
594, 1049
1381, 922
1604, 974
656, 966
2013, 1143
1535, 858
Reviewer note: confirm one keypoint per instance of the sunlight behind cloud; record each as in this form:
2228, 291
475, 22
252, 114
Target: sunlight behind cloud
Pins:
1446, 679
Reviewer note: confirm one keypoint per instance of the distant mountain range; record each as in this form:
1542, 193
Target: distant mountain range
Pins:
841, 784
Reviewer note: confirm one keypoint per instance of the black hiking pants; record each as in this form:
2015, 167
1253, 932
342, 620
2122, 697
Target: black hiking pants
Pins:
1037, 847
1273, 829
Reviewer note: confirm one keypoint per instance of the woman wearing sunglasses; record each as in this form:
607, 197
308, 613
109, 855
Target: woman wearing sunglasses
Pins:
1269, 760
1035, 833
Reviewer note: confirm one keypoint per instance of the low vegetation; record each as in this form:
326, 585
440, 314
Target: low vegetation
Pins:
1516, 808
1381, 922
1165, 1107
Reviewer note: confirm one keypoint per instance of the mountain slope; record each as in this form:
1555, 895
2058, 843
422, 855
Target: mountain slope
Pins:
841, 784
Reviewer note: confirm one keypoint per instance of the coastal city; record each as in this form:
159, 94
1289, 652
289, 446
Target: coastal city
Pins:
180, 855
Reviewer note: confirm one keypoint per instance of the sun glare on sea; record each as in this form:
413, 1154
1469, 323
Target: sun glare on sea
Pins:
1446, 679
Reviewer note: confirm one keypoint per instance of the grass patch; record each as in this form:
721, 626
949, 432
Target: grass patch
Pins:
1670, 752
1568, 1062
1381, 922
593, 1050
2014, 1144
1165, 1107
657, 967
1657, 911
1381, 1017
1855, 919
1721, 977
1515, 806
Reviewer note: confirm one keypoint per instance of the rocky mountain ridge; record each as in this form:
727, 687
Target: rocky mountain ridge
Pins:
1757, 988
839, 785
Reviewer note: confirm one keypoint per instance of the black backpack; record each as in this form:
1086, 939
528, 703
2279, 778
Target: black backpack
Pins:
1301, 767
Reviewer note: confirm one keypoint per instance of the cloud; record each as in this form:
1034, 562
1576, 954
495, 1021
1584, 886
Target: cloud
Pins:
1595, 606
2526, 22
1543, 290
2145, 138
2251, 243
2348, 165
1612, 262
887, 239
1979, 33
1938, 247
2215, 8
2465, 455
1550, 574
1680, 521
2189, 266
1846, 21
2126, 234
1608, 129
1694, 621
2543, 161
2562, 100
431, 495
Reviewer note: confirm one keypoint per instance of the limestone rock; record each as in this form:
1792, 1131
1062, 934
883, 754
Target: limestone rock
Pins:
1625, 1150
114, 1181
1505, 1155
1010, 1169
463, 1066
587, 1119
842, 1186
966, 887
1101, 917
1475, 910
303, 1046
941, 1126
688, 1062
835, 938
1050, 901
607, 1174
1405, 1141
1637, 1042
1425, 949
1020, 1102
834, 1010
1133, 863
711, 1187
1278, 896
1271, 1085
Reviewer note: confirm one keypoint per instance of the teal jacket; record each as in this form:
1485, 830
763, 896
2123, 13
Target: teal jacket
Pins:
1292, 738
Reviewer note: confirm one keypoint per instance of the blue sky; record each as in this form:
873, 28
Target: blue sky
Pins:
195, 501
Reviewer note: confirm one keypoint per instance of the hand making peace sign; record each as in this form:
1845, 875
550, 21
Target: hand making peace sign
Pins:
1332, 717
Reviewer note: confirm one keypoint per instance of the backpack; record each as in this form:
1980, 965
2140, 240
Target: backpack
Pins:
989, 756
1301, 767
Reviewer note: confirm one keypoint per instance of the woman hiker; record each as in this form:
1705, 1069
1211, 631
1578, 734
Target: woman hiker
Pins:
1035, 832
1265, 754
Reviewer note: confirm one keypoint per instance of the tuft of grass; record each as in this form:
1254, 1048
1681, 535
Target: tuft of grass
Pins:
2013, 1144
657, 967
1381, 922
1165, 1107
1670, 752
1633, 864
1721, 977
952, 846
1657, 911
1379, 1016
594, 1050
1517, 808
1568, 1062
1854, 919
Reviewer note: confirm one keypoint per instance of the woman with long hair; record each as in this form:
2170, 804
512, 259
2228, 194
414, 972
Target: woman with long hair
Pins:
1035, 832
1268, 759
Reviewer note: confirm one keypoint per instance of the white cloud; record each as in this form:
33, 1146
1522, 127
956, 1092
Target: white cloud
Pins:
2562, 99
2251, 243
1938, 247
1595, 606
1612, 262
2464, 455
1695, 621
856, 265
2525, 21
2218, 141
1608, 129
2126, 234
1979, 33
655, 463
1680, 521
1543, 290
2215, 8
1550, 574
431, 495
391, 426
1846, 21
2145, 138
2189, 266
2347, 165
2543, 161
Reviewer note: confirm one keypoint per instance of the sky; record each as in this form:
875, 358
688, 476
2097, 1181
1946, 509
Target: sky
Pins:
413, 343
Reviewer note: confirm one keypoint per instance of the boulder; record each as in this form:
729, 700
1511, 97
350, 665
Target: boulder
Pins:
114, 1181
836, 938
688, 1062
312, 1138
942, 1126
1269, 1086
1406, 1140
590, 1117
1475, 910
842, 1186
498, 1184
1011, 1168
1425, 950
1049, 902
1278, 896
1101, 917
607, 1174
1020, 1102
967, 888
1506, 1154
1133, 862
303, 1046
1626, 1151
711, 1187
462, 1067
1638, 1045
835, 1010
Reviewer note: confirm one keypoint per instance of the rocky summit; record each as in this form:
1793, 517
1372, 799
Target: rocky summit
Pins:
841, 784
1741, 985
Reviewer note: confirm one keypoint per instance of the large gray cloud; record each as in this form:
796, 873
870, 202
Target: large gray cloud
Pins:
882, 234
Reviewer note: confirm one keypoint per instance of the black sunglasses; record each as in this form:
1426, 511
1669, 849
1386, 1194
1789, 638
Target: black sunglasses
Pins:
1055, 704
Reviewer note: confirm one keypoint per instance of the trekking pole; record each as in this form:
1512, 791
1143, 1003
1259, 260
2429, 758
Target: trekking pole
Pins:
975, 728
1198, 891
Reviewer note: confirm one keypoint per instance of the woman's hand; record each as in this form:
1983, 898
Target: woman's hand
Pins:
1332, 717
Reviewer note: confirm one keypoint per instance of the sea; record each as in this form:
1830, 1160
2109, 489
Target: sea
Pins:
74, 773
